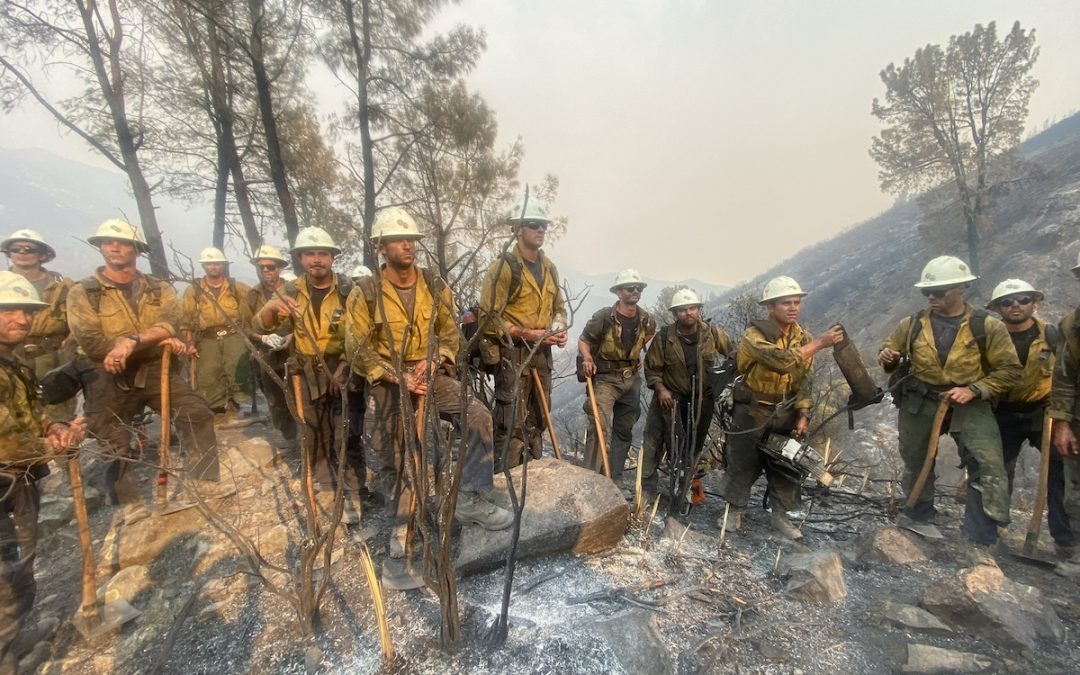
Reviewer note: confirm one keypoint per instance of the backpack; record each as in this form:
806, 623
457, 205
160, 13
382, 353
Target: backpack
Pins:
516, 279
93, 289
978, 331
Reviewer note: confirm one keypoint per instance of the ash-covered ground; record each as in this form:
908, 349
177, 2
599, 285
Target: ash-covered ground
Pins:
670, 597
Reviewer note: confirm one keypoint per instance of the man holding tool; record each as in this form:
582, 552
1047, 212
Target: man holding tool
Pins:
28, 440
272, 347
521, 304
959, 357
610, 349
123, 320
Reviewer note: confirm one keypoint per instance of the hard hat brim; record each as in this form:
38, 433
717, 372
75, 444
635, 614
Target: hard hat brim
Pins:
948, 283
628, 283
29, 304
141, 247
282, 261
672, 308
1038, 297
300, 249
50, 252
387, 238
774, 298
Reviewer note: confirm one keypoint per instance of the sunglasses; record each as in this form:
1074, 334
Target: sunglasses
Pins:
1024, 300
533, 225
631, 289
24, 249
268, 267
936, 292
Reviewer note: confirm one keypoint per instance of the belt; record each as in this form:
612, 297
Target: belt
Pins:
219, 332
37, 346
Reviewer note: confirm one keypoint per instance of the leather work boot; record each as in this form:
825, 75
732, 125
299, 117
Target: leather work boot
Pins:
780, 524
473, 509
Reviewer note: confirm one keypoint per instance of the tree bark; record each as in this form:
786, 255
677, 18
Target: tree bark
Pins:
361, 46
111, 82
263, 88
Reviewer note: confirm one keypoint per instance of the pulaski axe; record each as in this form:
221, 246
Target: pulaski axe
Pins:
926, 529
162, 506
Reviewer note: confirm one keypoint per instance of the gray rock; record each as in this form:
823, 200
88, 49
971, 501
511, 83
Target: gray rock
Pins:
927, 659
636, 642
55, 512
910, 617
816, 577
251, 455
141, 543
127, 584
890, 545
985, 603
567, 509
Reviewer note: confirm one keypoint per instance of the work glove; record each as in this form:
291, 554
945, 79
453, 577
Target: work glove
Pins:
274, 341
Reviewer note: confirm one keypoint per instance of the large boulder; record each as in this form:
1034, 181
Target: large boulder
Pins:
816, 577
985, 603
567, 509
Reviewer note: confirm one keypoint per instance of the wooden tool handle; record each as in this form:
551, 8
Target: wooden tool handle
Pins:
931, 452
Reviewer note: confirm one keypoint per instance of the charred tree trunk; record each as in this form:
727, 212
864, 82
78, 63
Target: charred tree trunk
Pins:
111, 82
360, 40
263, 88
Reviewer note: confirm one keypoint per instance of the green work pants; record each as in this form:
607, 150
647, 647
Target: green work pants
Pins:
618, 400
745, 461
217, 368
975, 431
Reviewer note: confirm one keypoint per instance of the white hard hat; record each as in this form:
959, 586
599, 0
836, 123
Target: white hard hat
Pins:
684, 297
359, 272
628, 277
394, 223
314, 238
535, 211
16, 291
26, 234
121, 230
781, 287
1013, 287
268, 252
945, 270
288, 276
212, 254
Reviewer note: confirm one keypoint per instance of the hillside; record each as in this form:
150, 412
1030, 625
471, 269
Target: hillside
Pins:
863, 277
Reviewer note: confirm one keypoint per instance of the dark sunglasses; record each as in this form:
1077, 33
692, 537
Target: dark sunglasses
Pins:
534, 225
631, 289
936, 292
268, 267
24, 249
1007, 302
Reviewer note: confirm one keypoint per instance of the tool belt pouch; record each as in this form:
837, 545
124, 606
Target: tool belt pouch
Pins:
914, 393
64, 382
742, 394
897, 383
490, 354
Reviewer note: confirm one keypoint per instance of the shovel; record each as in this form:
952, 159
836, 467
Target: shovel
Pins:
88, 620
1031, 540
162, 506
926, 529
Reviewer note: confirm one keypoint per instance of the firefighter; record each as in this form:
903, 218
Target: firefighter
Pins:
521, 304
272, 347
676, 369
1065, 411
313, 307
46, 347
963, 355
611, 346
216, 316
28, 440
121, 319
396, 328
775, 359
